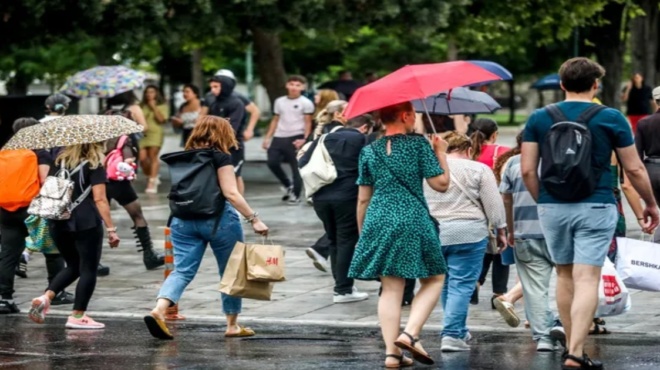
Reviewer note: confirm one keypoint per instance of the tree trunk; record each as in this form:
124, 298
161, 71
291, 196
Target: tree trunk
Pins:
197, 76
644, 37
18, 85
610, 50
452, 49
270, 61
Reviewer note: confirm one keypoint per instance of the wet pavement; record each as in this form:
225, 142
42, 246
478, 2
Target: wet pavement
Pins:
125, 344
299, 328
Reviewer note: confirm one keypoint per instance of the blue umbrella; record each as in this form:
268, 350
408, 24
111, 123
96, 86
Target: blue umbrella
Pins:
457, 101
549, 82
494, 68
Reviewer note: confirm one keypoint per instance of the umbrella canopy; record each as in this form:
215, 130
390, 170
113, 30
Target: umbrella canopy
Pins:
493, 67
460, 100
103, 82
549, 82
72, 130
415, 82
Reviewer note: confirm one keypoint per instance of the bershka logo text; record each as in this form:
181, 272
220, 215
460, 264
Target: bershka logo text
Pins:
645, 264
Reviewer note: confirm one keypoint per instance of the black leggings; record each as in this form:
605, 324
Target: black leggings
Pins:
82, 252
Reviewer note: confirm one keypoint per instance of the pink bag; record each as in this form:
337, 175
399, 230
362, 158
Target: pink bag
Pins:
116, 168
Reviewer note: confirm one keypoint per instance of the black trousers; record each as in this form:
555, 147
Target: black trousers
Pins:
14, 232
82, 253
282, 150
322, 246
500, 273
340, 223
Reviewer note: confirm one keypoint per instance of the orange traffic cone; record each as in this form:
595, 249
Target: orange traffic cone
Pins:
172, 312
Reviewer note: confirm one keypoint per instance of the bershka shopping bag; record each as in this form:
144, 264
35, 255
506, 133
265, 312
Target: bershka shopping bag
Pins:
234, 279
638, 264
613, 296
265, 263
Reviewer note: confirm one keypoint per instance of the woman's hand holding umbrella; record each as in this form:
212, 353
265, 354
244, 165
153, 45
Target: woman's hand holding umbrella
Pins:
439, 144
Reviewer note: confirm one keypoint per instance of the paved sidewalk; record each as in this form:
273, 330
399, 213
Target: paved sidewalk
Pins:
306, 296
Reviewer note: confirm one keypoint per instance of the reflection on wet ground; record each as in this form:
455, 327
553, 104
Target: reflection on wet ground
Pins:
125, 344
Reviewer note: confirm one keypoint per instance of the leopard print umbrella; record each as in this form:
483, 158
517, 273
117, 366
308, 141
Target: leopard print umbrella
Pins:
72, 130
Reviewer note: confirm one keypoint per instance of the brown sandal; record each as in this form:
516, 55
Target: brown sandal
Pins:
401, 362
414, 351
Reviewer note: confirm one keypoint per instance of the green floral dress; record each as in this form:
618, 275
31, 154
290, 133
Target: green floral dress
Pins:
398, 236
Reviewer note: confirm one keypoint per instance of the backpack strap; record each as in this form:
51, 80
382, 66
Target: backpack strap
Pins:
555, 113
85, 192
590, 113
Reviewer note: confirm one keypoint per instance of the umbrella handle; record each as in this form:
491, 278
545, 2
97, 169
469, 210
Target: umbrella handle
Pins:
426, 110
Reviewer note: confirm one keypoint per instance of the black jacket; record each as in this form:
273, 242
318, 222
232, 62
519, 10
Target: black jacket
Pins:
344, 147
229, 106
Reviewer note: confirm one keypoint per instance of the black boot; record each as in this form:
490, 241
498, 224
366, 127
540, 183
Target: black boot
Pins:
152, 260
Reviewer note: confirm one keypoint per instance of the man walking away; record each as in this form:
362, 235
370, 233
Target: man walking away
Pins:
289, 130
335, 203
576, 205
647, 141
533, 261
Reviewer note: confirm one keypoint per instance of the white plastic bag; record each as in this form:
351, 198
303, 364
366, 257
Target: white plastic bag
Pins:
638, 264
613, 296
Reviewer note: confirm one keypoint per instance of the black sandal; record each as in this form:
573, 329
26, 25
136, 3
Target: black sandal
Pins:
598, 329
585, 363
400, 364
416, 353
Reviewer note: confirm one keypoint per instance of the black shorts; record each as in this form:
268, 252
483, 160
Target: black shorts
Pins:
121, 191
238, 160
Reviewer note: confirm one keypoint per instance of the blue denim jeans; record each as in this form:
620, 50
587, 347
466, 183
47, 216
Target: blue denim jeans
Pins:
189, 239
464, 263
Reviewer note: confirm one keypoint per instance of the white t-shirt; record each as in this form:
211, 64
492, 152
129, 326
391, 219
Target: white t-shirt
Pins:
292, 115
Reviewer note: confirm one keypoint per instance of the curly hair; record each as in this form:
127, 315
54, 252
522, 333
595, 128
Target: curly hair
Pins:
212, 132
502, 159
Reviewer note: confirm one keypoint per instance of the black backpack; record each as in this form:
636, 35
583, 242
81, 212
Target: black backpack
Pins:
195, 192
567, 169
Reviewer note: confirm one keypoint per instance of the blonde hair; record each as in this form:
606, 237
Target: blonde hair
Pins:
327, 115
325, 97
72, 156
457, 142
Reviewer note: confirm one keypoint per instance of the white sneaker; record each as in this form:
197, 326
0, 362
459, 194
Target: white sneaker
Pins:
546, 345
467, 337
355, 296
450, 344
288, 193
320, 262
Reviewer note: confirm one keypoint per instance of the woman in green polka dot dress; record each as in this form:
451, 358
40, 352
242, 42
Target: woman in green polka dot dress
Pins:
398, 238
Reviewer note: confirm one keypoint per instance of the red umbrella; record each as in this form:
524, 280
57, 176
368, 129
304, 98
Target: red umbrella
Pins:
415, 82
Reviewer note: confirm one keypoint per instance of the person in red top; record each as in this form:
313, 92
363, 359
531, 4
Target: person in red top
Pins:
484, 133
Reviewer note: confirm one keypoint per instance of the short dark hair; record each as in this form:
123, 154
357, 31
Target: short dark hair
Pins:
127, 98
359, 121
297, 78
23, 122
579, 74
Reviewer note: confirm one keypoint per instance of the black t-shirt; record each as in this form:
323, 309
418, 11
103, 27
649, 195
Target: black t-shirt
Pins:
221, 159
86, 216
639, 101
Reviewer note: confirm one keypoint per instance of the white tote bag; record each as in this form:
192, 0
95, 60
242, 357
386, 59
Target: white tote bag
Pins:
613, 296
638, 264
320, 170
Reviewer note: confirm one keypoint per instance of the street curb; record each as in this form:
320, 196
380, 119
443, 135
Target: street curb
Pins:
211, 319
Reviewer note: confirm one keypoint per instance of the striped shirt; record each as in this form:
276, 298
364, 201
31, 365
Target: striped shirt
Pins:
525, 215
461, 220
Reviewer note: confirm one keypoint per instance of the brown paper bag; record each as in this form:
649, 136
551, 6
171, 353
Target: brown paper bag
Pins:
234, 280
265, 263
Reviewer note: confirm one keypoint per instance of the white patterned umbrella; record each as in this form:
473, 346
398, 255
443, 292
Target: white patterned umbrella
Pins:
103, 82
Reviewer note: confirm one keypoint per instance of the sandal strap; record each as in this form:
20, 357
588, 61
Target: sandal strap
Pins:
413, 341
398, 357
